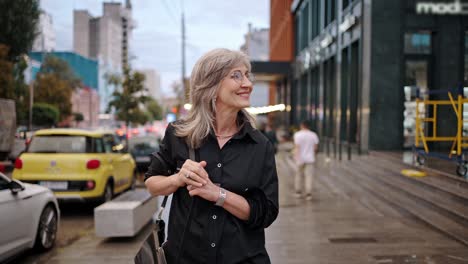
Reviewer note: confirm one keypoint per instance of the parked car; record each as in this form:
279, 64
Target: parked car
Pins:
141, 149
29, 217
77, 164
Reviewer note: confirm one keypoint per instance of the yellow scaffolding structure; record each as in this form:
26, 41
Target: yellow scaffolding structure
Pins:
459, 141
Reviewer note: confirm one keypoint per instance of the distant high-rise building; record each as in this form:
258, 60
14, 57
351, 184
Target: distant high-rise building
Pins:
256, 46
45, 40
104, 38
153, 83
257, 43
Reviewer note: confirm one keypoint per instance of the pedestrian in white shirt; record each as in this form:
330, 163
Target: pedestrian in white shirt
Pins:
305, 146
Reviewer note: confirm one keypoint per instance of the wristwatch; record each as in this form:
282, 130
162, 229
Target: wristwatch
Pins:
221, 197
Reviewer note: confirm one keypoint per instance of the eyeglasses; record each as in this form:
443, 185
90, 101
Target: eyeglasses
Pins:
238, 76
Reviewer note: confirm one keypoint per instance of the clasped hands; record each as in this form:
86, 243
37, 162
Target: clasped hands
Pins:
194, 176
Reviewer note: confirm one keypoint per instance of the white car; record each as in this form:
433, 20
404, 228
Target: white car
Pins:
29, 217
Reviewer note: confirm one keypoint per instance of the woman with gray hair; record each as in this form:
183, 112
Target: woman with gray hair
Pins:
225, 198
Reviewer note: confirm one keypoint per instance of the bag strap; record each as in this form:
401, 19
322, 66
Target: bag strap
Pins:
163, 204
192, 157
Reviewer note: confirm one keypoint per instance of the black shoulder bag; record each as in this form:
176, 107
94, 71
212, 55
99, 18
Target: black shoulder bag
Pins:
152, 249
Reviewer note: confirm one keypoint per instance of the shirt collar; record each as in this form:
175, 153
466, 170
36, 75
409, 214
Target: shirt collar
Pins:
246, 131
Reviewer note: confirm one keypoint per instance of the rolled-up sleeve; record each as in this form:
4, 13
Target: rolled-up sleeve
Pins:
263, 201
161, 161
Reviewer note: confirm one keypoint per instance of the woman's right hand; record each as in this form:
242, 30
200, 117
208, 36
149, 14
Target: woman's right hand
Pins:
192, 173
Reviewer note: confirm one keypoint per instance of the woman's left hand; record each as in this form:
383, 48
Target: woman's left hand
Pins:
209, 191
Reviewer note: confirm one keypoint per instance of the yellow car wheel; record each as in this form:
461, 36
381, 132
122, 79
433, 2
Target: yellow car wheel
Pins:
108, 193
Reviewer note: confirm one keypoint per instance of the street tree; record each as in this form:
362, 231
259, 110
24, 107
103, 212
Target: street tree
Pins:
55, 83
6, 74
60, 68
21, 90
52, 90
78, 117
154, 109
180, 93
45, 115
127, 102
18, 20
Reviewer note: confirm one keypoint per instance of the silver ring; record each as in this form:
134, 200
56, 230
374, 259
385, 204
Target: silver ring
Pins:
187, 175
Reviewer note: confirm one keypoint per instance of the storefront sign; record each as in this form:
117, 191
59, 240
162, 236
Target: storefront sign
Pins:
438, 8
326, 41
348, 23
306, 60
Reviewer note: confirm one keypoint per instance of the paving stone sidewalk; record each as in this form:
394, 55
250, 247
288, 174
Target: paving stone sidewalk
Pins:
341, 225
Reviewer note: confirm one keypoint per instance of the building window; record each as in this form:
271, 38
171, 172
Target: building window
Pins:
330, 11
297, 32
329, 97
315, 18
314, 100
466, 61
303, 99
418, 42
302, 27
465, 88
346, 3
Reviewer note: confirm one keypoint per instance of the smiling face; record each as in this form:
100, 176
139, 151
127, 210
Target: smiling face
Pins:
234, 91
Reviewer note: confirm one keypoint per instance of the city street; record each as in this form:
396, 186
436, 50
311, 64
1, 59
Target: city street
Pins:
374, 91
346, 222
76, 222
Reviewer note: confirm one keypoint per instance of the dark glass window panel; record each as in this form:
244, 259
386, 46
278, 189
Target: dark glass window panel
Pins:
418, 43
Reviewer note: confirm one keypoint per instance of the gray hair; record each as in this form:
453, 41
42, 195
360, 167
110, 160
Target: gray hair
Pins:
205, 81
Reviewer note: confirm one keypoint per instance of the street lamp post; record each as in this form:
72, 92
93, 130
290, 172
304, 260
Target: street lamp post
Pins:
31, 102
31, 91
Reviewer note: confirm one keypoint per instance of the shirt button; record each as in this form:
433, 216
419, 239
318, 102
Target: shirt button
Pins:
214, 217
219, 165
213, 245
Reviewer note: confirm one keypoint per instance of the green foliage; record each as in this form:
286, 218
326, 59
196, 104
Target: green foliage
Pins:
6, 74
12, 84
55, 83
18, 20
61, 69
127, 102
21, 92
78, 117
52, 90
154, 109
45, 115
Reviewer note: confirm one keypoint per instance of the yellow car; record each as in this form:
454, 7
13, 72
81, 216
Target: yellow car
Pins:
77, 164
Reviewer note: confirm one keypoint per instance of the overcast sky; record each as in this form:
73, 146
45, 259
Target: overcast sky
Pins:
156, 42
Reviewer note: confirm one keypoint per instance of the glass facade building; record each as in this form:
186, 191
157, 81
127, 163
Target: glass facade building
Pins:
358, 65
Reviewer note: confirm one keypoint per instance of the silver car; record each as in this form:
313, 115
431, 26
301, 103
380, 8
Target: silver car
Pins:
29, 217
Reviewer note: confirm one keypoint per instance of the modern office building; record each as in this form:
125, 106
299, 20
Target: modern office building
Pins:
357, 66
153, 83
107, 37
256, 43
256, 46
86, 101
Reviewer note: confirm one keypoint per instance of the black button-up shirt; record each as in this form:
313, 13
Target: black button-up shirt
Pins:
246, 166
